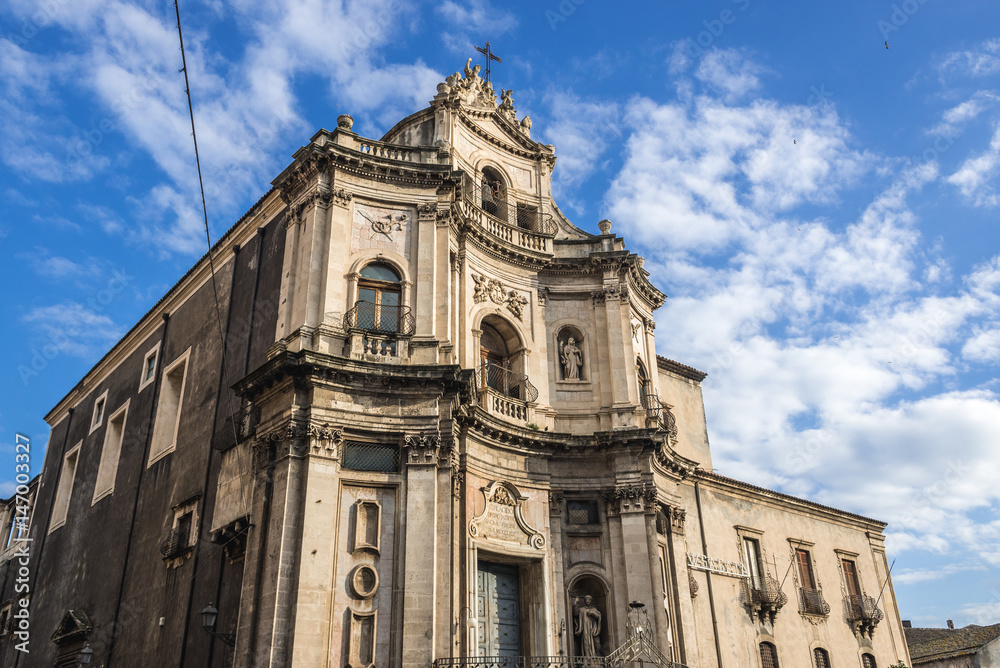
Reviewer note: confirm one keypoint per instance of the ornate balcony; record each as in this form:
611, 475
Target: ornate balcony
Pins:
176, 544
811, 602
516, 223
764, 598
379, 331
862, 613
505, 393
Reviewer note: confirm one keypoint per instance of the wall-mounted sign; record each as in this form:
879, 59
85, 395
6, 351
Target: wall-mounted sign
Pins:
734, 569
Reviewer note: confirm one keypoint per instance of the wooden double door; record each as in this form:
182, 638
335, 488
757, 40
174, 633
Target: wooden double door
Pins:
498, 607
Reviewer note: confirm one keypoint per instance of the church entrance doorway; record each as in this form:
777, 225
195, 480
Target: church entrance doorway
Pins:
499, 609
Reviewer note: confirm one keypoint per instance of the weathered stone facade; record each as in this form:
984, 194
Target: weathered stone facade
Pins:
448, 436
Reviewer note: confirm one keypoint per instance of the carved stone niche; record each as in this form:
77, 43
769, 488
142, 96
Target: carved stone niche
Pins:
588, 603
571, 361
361, 639
502, 520
367, 526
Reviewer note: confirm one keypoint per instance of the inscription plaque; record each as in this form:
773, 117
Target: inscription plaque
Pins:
502, 519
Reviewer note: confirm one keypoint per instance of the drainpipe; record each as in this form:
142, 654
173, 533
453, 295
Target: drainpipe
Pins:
708, 575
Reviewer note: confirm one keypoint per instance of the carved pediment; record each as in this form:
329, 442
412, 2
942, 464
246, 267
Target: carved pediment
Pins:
74, 627
502, 519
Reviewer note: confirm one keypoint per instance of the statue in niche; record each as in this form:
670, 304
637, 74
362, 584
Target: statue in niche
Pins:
588, 627
571, 358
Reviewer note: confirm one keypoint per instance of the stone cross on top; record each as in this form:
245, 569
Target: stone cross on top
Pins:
485, 50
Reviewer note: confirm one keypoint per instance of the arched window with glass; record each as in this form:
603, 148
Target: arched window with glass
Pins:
379, 295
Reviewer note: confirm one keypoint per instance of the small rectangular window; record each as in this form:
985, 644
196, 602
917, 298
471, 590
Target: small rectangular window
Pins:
149, 366
581, 512
64, 490
98, 417
108, 469
804, 563
363, 456
168, 409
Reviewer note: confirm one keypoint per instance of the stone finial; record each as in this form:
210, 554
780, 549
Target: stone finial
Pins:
604, 226
345, 122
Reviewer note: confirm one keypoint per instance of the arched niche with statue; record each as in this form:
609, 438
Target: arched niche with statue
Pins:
572, 358
588, 606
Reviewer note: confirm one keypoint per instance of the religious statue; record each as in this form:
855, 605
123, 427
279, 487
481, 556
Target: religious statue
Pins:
479, 295
472, 71
571, 358
588, 627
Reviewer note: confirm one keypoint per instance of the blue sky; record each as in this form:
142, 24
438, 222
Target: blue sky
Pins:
821, 209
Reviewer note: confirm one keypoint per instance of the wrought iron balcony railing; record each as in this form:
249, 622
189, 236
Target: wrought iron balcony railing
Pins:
506, 382
811, 602
380, 318
176, 543
862, 613
237, 428
764, 597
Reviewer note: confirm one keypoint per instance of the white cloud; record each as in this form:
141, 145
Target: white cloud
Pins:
974, 177
730, 72
72, 328
963, 113
472, 17
983, 346
979, 62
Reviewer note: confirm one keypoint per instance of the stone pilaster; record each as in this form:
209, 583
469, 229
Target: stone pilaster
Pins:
420, 550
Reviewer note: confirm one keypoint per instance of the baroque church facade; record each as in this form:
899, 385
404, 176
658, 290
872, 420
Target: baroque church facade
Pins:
434, 431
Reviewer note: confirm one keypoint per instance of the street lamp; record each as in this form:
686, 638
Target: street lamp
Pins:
85, 655
208, 617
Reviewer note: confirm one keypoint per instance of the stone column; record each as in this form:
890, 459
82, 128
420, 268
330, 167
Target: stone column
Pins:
685, 631
426, 292
629, 503
621, 355
420, 551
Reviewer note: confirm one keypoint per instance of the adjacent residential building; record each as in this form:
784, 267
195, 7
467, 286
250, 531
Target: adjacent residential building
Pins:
971, 646
425, 424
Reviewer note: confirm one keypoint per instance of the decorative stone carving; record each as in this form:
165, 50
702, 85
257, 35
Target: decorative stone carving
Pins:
385, 224
363, 581
543, 296
677, 516
503, 520
496, 292
345, 122
631, 498
692, 584
428, 209
422, 449
598, 296
324, 439
636, 328
604, 226
516, 304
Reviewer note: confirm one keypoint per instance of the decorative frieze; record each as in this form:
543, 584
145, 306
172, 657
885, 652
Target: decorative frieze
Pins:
495, 291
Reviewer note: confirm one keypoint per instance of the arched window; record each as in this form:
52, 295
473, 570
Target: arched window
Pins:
768, 655
821, 658
496, 362
867, 661
494, 194
379, 292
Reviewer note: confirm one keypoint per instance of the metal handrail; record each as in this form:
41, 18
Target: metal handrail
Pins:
176, 543
506, 382
811, 602
862, 608
768, 592
502, 208
380, 318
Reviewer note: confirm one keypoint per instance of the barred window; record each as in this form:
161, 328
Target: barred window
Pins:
362, 456
768, 655
582, 512
867, 661
821, 658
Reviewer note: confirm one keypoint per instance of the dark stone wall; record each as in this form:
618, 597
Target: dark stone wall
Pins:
106, 559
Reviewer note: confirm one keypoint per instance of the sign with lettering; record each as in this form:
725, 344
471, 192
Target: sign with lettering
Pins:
502, 520
734, 569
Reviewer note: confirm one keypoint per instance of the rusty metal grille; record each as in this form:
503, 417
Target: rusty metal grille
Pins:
768, 655
381, 318
582, 512
821, 658
363, 456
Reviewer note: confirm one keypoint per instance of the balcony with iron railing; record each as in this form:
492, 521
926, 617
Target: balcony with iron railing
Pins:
379, 331
177, 543
862, 613
505, 393
811, 602
764, 598
517, 223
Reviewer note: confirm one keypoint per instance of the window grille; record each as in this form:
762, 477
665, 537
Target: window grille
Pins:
768, 655
582, 512
821, 658
867, 661
362, 456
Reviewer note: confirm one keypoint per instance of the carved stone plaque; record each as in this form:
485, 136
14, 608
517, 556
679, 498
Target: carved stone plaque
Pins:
502, 520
